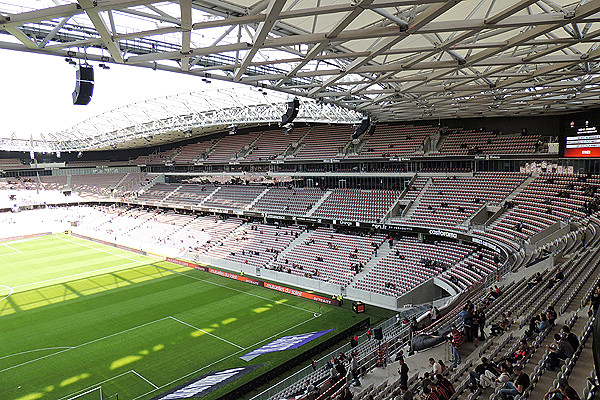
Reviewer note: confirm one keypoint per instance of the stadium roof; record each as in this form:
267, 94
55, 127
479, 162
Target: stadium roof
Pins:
394, 60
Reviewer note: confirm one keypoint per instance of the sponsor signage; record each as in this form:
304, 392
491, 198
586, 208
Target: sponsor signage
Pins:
300, 293
256, 282
439, 232
284, 343
8, 239
206, 384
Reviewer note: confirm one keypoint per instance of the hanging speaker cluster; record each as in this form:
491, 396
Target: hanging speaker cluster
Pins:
84, 85
364, 126
292, 111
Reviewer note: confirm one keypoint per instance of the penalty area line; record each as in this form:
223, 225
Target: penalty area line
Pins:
225, 358
208, 333
99, 384
234, 289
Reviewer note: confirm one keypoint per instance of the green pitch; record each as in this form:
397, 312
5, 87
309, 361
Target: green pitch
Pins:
75, 315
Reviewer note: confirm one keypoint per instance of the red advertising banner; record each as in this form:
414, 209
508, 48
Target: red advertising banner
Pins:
256, 282
9, 239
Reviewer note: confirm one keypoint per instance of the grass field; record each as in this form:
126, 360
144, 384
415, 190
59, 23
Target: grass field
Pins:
75, 315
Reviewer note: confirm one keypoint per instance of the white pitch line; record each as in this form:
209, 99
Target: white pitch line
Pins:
33, 351
235, 290
95, 385
189, 276
208, 333
79, 273
82, 344
13, 249
102, 250
135, 372
225, 358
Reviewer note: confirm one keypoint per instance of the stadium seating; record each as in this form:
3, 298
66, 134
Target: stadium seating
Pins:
288, 201
255, 244
235, 197
359, 205
449, 201
403, 267
271, 144
324, 142
329, 256
395, 140
229, 147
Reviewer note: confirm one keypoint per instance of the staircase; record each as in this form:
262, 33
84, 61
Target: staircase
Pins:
383, 251
520, 188
171, 193
249, 206
417, 200
122, 180
281, 256
318, 203
209, 196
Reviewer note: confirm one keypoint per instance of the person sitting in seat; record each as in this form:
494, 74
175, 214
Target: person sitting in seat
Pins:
560, 350
518, 387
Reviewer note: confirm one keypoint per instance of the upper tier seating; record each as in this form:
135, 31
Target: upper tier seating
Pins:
328, 256
255, 244
324, 141
288, 201
157, 192
450, 201
462, 143
229, 147
403, 268
414, 189
234, 196
272, 143
395, 140
192, 152
11, 163
54, 182
546, 200
155, 158
95, 183
360, 205
189, 194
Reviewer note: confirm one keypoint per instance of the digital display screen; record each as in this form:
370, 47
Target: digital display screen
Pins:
582, 139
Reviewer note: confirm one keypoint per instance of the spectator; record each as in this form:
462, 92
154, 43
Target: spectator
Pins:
559, 350
310, 391
543, 325
571, 338
426, 381
517, 387
503, 377
594, 302
346, 394
551, 315
535, 280
355, 369
481, 317
444, 388
456, 340
444, 368
465, 315
500, 325
563, 392
436, 368
476, 374
403, 371
405, 393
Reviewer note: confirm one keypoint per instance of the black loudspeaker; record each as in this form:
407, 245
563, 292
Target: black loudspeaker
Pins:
84, 85
378, 333
292, 111
372, 129
362, 127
